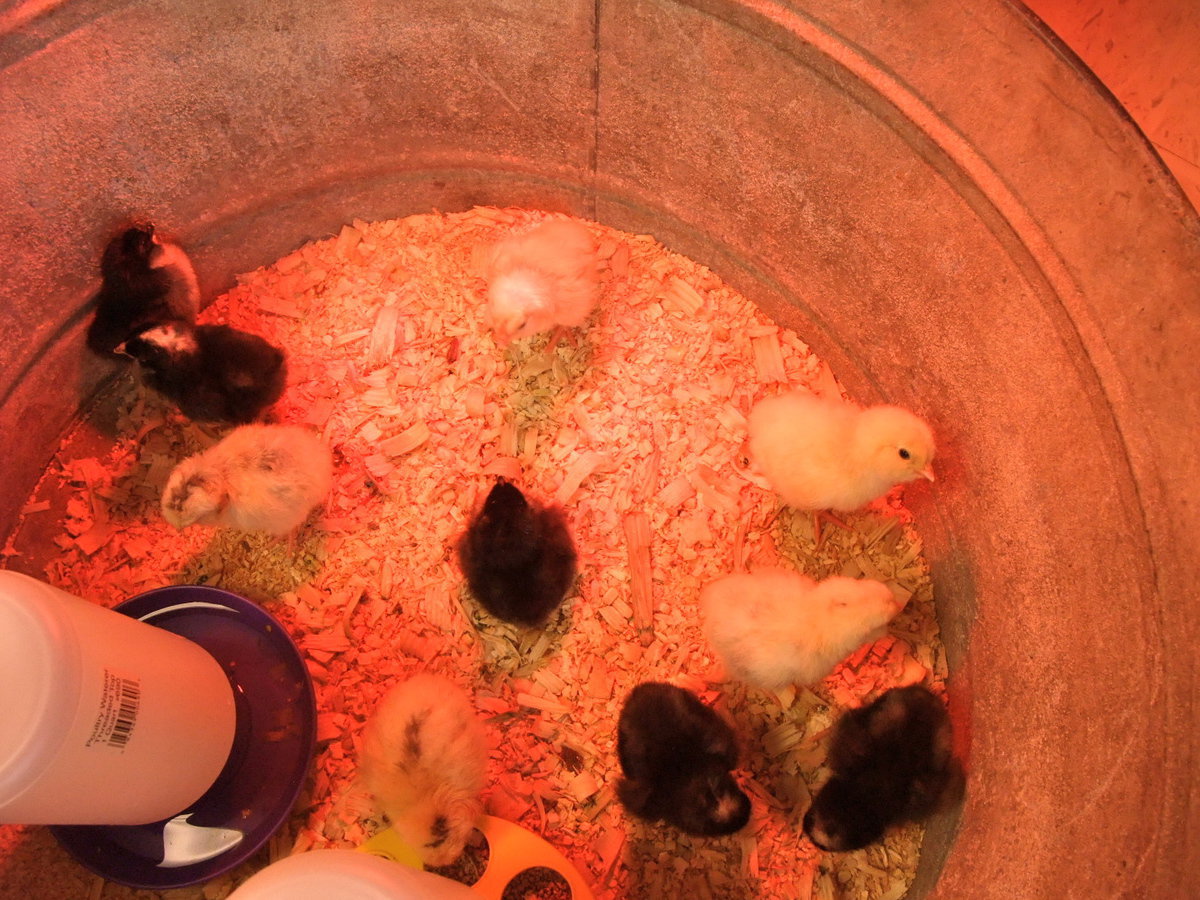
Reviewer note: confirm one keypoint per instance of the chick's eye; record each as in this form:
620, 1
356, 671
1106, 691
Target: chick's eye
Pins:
904, 454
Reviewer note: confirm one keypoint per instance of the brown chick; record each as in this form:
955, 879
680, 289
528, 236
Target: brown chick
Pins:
146, 280
892, 762
519, 559
543, 278
258, 478
677, 756
425, 761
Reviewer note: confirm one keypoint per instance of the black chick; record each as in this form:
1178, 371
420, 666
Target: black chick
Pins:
677, 754
215, 373
519, 559
144, 281
892, 763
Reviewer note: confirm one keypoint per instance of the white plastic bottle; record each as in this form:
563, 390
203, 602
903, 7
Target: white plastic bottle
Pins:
105, 720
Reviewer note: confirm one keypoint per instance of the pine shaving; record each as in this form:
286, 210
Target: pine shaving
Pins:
637, 541
406, 441
580, 469
768, 358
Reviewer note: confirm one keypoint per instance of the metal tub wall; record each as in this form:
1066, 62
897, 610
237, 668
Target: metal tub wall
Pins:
948, 209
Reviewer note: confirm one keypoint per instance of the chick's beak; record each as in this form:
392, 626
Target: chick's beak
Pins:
927, 472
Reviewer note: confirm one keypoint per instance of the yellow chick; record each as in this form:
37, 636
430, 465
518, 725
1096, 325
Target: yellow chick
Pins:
823, 454
775, 627
543, 278
425, 761
257, 478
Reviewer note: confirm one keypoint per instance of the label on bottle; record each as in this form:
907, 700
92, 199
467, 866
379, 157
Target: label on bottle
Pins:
120, 698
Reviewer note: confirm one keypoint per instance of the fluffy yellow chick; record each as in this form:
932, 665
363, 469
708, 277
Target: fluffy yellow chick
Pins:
543, 278
257, 478
823, 454
775, 627
425, 761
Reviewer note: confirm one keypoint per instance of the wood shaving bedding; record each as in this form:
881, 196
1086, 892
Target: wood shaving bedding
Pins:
635, 424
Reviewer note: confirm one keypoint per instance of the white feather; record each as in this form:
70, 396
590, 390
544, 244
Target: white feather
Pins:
171, 339
185, 287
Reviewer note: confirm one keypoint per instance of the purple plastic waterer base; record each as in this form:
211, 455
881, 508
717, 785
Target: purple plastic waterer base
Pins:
272, 746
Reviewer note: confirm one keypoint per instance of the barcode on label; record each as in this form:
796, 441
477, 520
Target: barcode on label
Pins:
117, 707
131, 696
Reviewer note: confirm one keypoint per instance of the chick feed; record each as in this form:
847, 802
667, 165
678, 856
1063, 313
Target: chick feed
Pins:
635, 425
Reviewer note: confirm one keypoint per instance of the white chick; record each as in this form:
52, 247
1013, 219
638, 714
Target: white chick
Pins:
775, 627
823, 454
547, 277
258, 478
425, 761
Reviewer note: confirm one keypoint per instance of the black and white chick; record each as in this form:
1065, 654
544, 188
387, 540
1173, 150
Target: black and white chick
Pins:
518, 558
145, 280
214, 373
892, 762
677, 756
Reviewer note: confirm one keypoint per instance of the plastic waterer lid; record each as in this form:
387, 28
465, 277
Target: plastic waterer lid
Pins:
39, 681
327, 874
